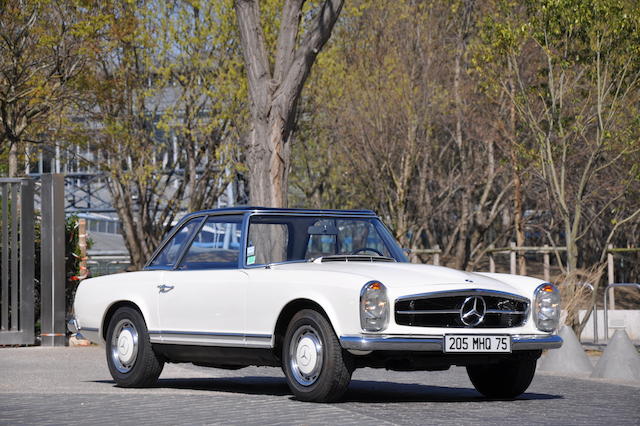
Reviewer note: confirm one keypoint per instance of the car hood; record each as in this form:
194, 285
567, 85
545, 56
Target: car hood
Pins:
408, 275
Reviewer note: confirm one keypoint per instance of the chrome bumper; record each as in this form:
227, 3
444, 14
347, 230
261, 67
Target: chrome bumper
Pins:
434, 343
72, 325
74, 328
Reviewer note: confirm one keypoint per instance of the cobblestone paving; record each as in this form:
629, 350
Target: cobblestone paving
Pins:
73, 386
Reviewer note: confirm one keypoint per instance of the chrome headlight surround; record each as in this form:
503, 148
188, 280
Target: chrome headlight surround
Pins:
546, 307
374, 307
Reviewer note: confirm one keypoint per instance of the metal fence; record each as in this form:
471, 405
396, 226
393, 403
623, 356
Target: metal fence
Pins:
17, 263
52, 261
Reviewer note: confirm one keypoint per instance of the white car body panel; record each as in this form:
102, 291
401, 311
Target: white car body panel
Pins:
272, 289
202, 307
95, 296
337, 281
200, 301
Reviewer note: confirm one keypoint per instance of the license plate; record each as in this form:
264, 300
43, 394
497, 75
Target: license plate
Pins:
477, 343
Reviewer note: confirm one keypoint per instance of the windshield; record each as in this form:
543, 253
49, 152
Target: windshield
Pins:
274, 239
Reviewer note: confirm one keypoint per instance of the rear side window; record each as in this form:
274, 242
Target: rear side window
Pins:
216, 245
170, 253
268, 243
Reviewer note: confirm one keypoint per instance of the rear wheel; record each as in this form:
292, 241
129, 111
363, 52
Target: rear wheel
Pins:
130, 357
505, 380
316, 367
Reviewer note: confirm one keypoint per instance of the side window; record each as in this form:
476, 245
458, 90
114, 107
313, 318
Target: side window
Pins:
169, 254
268, 243
216, 246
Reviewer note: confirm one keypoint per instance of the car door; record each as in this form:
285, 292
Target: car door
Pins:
203, 300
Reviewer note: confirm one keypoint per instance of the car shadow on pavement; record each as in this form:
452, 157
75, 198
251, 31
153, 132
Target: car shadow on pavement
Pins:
367, 391
247, 385
253, 385
362, 391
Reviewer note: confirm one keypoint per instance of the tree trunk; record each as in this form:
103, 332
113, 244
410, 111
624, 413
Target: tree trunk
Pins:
517, 183
518, 219
268, 163
273, 96
124, 206
13, 160
462, 245
572, 248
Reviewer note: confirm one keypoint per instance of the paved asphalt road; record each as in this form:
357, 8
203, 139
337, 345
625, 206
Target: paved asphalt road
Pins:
73, 386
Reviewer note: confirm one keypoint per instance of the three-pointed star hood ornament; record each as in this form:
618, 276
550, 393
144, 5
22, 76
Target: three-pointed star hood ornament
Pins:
473, 310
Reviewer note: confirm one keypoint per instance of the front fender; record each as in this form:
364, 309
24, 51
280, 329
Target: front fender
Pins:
135, 302
96, 298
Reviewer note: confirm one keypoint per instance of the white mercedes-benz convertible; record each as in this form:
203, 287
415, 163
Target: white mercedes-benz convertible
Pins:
319, 293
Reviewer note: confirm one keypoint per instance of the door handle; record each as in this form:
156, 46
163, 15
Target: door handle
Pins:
165, 288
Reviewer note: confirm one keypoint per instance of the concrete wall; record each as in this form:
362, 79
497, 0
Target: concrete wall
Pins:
618, 319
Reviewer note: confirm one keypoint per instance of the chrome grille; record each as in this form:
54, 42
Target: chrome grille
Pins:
443, 309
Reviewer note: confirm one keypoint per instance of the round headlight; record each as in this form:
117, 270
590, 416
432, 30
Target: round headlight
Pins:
546, 307
374, 307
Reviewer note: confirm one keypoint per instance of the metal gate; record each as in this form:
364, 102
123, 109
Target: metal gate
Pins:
16, 262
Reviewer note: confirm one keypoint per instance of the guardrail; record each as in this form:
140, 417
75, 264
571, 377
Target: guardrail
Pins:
594, 312
514, 251
606, 293
611, 274
546, 251
435, 252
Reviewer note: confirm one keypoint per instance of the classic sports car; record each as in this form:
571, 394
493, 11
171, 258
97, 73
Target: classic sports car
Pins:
319, 293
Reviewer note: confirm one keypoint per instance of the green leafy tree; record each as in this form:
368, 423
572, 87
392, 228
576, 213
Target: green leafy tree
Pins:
571, 74
580, 108
40, 56
162, 102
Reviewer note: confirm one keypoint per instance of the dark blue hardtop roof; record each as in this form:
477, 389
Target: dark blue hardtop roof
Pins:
254, 209
243, 210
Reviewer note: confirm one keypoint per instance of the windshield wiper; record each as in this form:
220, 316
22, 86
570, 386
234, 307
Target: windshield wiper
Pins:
352, 258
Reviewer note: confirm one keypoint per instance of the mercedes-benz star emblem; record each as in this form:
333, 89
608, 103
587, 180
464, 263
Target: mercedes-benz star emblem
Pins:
472, 311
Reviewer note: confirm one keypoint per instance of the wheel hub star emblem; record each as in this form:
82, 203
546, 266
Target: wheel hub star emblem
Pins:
305, 359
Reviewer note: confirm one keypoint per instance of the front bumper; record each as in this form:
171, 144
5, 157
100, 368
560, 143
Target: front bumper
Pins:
435, 343
72, 326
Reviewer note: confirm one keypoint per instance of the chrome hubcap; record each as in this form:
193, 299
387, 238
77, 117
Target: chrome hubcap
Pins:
124, 346
305, 354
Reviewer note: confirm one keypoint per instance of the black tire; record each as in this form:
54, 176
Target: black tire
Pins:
505, 380
133, 363
332, 367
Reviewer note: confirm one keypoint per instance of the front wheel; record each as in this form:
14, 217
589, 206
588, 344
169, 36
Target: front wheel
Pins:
316, 367
130, 357
504, 380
